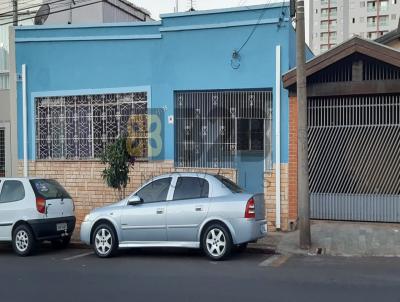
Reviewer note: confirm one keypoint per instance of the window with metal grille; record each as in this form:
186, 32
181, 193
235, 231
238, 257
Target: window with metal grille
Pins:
211, 126
2, 153
80, 127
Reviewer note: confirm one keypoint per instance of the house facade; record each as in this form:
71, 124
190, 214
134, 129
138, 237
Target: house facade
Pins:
196, 91
60, 13
353, 105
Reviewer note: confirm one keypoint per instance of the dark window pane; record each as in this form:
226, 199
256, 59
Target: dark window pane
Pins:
234, 188
155, 191
2, 153
191, 187
243, 131
257, 134
49, 189
13, 190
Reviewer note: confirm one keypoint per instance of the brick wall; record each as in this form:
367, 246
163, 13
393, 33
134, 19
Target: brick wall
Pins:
293, 131
269, 192
83, 180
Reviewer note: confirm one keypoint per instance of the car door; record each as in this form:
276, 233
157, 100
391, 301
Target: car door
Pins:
13, 204
147, 221
187, 209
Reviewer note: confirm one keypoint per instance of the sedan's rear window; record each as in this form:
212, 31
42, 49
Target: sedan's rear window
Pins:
49, 189
234, 188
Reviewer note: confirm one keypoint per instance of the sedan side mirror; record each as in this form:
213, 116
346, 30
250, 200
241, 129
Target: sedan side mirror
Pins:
135, 200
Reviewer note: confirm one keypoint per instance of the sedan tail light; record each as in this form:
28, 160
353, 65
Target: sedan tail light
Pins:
250, 209
41, 205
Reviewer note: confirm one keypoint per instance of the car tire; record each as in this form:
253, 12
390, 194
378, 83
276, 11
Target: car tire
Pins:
217, 242
23, 241
104, 241
61, 243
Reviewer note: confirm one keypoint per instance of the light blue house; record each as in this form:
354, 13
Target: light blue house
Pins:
209, 80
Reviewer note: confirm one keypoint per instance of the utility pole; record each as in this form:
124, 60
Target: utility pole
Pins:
302, 151
15, 12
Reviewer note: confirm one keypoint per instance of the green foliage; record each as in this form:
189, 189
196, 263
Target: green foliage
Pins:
118, 161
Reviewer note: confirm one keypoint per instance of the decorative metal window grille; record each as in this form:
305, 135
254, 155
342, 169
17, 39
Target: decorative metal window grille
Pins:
80, 127
2, 153
206, 126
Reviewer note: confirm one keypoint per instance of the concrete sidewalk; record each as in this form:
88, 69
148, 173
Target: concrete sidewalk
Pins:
339, 239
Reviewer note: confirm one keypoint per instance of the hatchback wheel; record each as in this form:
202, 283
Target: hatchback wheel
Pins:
104, 241
217, 242
23, 241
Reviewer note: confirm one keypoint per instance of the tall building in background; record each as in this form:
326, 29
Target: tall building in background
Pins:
334, 21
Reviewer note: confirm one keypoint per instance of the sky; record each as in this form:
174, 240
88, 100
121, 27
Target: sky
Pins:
157, 7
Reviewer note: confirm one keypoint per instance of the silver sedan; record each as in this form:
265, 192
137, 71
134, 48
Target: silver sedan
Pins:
189, 210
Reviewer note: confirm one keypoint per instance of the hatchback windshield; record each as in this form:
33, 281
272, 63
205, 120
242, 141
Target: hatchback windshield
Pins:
234, 188
49, 189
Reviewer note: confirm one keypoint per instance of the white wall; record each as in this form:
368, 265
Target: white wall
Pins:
4, 105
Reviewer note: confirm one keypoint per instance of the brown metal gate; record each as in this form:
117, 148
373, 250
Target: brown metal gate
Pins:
354, 157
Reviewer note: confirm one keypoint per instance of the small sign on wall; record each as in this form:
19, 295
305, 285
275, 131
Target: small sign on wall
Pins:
170, 119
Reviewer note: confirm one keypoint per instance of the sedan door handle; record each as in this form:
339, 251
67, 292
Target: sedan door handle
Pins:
199, 208
160, 211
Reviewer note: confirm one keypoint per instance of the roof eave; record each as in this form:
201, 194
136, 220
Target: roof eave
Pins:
354, 45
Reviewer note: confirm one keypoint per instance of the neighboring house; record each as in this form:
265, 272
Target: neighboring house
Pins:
354, 132
181, 90
391, 39
5, 150
333, 21
69, 12
93, 11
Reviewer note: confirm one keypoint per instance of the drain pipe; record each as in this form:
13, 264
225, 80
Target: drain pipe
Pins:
24, 121
278, 138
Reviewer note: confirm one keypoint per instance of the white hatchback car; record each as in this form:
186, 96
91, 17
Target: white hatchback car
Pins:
34, 210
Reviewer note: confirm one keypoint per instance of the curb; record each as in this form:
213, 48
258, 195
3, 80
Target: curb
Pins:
261, 249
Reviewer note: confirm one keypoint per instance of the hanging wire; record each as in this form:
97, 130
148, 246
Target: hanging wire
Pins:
7, 4
255, 26
58, 11
30, 7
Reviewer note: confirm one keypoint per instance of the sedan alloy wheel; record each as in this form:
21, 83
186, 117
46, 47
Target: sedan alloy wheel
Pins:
104, 241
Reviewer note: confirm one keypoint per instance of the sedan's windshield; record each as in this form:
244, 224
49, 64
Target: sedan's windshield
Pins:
234, 188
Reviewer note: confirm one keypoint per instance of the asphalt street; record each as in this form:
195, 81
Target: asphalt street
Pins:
185, 275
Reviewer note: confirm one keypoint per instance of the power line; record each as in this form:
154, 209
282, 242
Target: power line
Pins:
254, 27
58, 11
9, 3
33, 6
19, 14
29, 12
